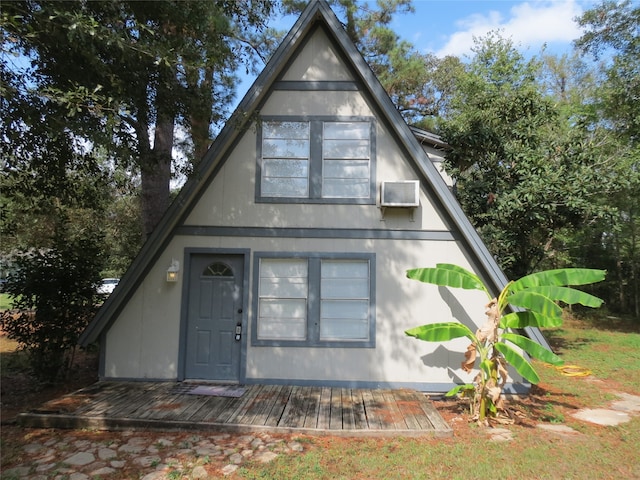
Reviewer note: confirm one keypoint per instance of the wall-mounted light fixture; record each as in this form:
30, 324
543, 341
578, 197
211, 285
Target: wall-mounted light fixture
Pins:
172, 271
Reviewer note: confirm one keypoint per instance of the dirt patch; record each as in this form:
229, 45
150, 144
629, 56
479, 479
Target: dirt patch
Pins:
19, 392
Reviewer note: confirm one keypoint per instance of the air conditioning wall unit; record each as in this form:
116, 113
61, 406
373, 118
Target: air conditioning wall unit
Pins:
404, 193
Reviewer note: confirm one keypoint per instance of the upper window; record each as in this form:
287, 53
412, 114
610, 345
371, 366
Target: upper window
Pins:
320, 160
315, 300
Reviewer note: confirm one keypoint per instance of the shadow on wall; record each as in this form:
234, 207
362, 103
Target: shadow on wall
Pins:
425, 358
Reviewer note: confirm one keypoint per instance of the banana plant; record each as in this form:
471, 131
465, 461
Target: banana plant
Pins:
532, 301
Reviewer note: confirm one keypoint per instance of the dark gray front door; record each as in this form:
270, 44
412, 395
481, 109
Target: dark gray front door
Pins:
214, 317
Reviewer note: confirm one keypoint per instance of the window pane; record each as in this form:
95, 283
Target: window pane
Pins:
282, 319
282, 304
345, 269
345, 309
346, 148
342, 188
283, 267
284, 187
346, 156
283, 287
340, 329
285, 130
283, 177
281, 167
345, 287
333, 130
285, 148
285, 159
282, 308
345, 302
346, 169
217, 269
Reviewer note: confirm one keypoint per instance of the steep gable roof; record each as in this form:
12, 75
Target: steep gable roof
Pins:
317, 13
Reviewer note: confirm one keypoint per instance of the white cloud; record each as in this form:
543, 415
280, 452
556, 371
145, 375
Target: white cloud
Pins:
527, 24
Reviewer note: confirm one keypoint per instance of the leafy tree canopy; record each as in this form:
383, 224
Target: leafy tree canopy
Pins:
521, 175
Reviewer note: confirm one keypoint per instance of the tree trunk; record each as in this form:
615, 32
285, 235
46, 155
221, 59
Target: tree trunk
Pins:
156, 175
200, 118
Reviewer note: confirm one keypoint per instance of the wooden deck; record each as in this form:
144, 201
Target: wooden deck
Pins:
276, 408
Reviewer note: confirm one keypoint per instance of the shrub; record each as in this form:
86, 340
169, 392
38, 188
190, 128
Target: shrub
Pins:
54, 297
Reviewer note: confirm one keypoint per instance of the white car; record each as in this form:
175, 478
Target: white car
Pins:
107, 286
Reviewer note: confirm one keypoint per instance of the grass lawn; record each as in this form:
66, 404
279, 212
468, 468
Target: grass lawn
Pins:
608, 347
5, 301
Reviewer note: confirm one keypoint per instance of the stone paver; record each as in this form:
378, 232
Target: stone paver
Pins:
179, 455
500, 434
627, 403
618, 412
559, 429
602, 416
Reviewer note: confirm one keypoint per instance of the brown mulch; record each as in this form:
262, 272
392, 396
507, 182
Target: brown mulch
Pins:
19, 392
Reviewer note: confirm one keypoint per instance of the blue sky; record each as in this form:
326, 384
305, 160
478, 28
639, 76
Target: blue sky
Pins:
447, 27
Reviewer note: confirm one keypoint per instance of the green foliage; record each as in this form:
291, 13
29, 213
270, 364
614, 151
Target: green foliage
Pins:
440, 332
126, 73
492, 344
448, 275
515, 161
612, 31
54, 297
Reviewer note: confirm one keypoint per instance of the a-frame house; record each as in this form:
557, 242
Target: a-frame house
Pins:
283, 259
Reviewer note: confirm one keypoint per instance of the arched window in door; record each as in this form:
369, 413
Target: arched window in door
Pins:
218, 269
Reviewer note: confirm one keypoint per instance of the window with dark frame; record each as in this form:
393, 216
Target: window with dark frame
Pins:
315, 300
318, 160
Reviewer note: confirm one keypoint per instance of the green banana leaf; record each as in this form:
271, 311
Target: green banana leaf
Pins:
528, 319
440, 332
533, 348
457, 388
463, 271
486, 365
559, 277
535, 302
447, 275
521, 364
567, 295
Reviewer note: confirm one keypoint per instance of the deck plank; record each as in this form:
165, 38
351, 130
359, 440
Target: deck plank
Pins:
134, 402
348, 419
295, 411
410, 409
156, 403
244, 405
319, 410
107, 393
371, 409
384, 416
219, 410
395, 418
280, 403
436, 420
335, 418
261, 407
190, 407
324, 414
359, 417
109, 396
313, 407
